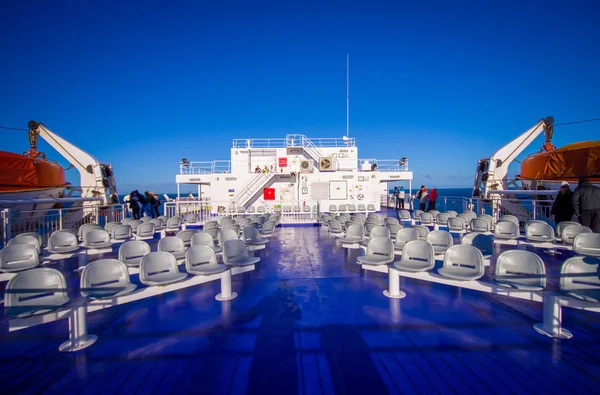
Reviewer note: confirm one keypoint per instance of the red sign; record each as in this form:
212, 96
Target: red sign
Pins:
269, 193
282, 162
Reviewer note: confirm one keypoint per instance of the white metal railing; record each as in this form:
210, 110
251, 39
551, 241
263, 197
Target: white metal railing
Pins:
294, 140
46, 221
387, 165
206, 167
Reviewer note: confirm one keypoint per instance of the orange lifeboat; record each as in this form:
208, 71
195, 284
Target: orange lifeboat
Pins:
24, 174
567, 163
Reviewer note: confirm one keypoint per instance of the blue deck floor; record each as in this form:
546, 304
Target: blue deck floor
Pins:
308, 321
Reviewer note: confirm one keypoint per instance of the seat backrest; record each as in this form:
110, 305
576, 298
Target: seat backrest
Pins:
84, 228
110, 226
227, 234
121, 232
342, 207
456, 224
580, 274
334, 226
133, 251
381, 246
465, 217
440, 239
480, 225
452, 213
405, 235
191, 218
442, 218
390, 220
471, 214
487, 218
233, 249
379, 231
232, 227
394, 228
361, 207
16, 257
158, 223
533, 221
351, 207
96, 237
173, 223
569, 232
251, 233
587, 244
355, 230
171, 244
145, 219
561, 225
426, 218
520, 267
434, 213
260, 209
105, 273
126, 221
417, 214
371, 207
134, 225
464, 260
506, 230
510, 218
332, 208
202, 238
423, 231
539, 229
419, 252
186, 236
268, 227
43, 287
26, 239
158, 262
146, 230
198, 255
404, 215
483, 242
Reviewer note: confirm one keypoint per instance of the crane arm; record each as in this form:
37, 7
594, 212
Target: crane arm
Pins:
96, 179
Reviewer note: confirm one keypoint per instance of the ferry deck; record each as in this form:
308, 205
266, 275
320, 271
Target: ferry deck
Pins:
309, 320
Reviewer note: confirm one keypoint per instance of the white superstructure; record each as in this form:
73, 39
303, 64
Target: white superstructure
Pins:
299, 172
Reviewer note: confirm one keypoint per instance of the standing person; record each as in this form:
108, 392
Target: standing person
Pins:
586, 202
401, 196
157, 206
432, 197
562, 208
134, 205
145, 204
396, 203
153, 202
423, 201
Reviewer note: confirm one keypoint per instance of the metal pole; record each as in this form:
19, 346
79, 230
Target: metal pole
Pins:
347, 95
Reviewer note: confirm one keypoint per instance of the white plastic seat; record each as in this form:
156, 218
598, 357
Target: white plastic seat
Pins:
440, 240
370, 225
126, 221
335, 227
332, 208
203, 238
132, 252
371, 207
110, 226
227, 234
426, 219
252, 237
260, 209
479, 225
351, 208
471, 214
96, 238
85, 227
462, 262
235, 253
377, 231
506, 230
201, 260
434, 213
213, 232
18, 257
442, 219
232, 227
160, 268
134, 225
105, 278
361, 207
416, 214
539, 232
380, 251
35, 291
422, 230
267, 229
210, 225
191, 219
251, 210
510, 218
570, 232
121, 232
587, 244
186, 236
355, 233
173, 223
456, 224
533, 221
173, 245
146, 230
466, 218
145, 219
390, 220
164, 219
158, 223
561, 225
26, 239
33, 234
521, 270
394, 228
404, 215
483, 242
404, 236
452, 213
417, 256
63, 242
487, 218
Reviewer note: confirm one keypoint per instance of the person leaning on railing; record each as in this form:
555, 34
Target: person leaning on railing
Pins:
586, 202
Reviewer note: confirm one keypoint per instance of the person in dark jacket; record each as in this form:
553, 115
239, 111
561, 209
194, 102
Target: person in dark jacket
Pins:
154, 202
586, 202
145, 204
562, 208
134, 205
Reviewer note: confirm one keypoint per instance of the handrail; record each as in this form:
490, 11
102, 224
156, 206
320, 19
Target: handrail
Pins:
294, 140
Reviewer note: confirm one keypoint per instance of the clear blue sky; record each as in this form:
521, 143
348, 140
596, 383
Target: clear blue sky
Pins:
143, 84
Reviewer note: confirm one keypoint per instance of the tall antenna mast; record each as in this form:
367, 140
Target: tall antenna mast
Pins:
347, 95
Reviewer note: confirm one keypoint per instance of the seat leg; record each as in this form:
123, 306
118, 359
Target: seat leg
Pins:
78, 336
226, 293
394, 285
552, 325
